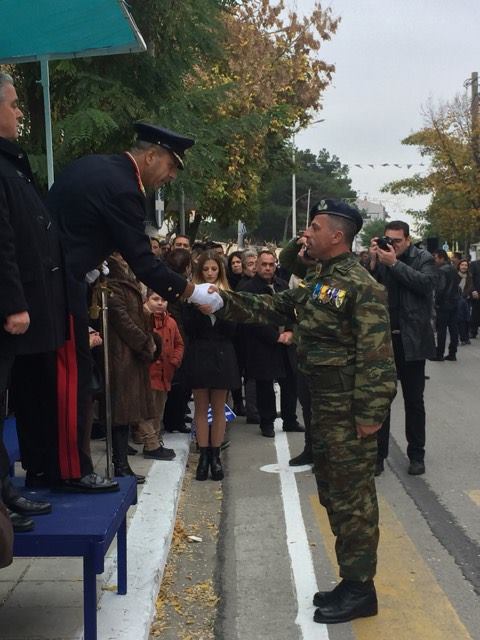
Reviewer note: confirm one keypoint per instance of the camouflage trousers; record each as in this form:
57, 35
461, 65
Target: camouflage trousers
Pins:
344, 468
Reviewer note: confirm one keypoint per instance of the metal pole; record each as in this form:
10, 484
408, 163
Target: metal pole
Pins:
45, 82
239, 234
108, 400
308, 207
474, 115
294, 193
182, 212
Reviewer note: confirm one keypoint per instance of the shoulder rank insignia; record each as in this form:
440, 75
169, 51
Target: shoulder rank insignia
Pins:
327, 294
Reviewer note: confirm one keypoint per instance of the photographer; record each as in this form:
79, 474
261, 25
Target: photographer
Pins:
409, 275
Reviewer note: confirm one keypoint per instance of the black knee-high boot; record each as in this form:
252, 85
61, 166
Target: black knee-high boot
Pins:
203, 463
120, 454
216, 464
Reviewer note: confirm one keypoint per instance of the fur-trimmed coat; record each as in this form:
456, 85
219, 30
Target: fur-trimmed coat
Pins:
131, 349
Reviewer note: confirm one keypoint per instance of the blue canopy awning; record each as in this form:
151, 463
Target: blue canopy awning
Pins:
46, 30
55, 29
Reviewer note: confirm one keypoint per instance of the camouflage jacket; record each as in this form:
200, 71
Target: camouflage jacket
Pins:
341, 320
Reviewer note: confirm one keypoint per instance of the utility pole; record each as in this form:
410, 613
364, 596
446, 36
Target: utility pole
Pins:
294, 193
474, 115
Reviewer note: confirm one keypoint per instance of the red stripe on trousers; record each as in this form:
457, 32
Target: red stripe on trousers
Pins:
67, 378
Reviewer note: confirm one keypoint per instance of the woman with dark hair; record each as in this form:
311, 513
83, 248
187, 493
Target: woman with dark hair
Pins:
211, 367
234, 269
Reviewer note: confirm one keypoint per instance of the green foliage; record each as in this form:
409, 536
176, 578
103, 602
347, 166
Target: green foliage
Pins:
323, 175
373, 229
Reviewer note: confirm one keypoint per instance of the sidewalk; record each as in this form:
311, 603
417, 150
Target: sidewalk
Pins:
42, 598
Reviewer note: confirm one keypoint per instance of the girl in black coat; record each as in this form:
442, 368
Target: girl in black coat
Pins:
212, 368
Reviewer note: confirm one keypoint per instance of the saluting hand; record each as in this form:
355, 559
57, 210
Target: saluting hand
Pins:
17, 323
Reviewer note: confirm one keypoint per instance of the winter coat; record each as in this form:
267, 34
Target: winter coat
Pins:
264, 355
30, 260
170, 358
415, 275
131, 349
447, 293
210, 360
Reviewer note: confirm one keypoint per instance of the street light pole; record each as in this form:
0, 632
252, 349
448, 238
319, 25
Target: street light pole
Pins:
294, 193
294, 183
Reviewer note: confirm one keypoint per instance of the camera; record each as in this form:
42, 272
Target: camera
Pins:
383, 243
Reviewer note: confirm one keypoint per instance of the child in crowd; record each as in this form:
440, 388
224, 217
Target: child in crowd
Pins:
211, 367
162, 371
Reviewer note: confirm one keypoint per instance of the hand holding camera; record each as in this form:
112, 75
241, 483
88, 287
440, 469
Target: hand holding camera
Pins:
383, 249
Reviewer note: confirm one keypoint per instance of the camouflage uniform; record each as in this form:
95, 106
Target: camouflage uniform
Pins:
342, 333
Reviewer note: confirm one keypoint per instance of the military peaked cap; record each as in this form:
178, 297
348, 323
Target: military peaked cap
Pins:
337, 208
173, 142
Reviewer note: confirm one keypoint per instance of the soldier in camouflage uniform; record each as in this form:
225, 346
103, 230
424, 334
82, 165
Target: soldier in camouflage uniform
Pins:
344, 349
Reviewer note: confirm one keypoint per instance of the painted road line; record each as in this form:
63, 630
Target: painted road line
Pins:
474, 496
411, 602
297, 543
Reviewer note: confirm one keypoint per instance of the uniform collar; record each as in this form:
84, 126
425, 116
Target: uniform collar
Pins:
137, 171
327, 266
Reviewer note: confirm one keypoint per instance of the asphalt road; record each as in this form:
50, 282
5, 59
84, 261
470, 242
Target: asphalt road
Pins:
275, 546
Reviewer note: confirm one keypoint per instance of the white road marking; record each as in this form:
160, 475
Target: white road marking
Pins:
276, 468
303, 572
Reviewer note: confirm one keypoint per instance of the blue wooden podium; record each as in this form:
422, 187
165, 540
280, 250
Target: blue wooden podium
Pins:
82, 525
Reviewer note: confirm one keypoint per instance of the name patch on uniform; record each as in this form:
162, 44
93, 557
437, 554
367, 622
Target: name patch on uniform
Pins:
326, 294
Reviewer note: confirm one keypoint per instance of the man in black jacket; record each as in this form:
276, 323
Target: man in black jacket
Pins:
409, 274
32, 304
447, 296
270, 355
100, 205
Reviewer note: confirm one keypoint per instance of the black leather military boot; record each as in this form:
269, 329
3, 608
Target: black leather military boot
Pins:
321, 598
353, 600
216, 464
203, 463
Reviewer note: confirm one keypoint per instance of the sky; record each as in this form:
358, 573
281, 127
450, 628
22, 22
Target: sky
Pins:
392, 57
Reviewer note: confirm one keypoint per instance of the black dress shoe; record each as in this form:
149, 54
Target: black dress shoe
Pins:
126, 472
161, 453
294, 427
451, 357
437, 359
303, 458
353, 600
21, 524
91, 483
26, 507
131, 451
416, 468
267, 430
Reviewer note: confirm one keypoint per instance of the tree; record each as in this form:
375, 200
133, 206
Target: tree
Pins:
323, 175
453, 179
373, 229
238, 76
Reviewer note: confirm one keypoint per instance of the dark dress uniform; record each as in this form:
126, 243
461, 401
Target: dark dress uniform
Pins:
342, 332
32, 280
99, 204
